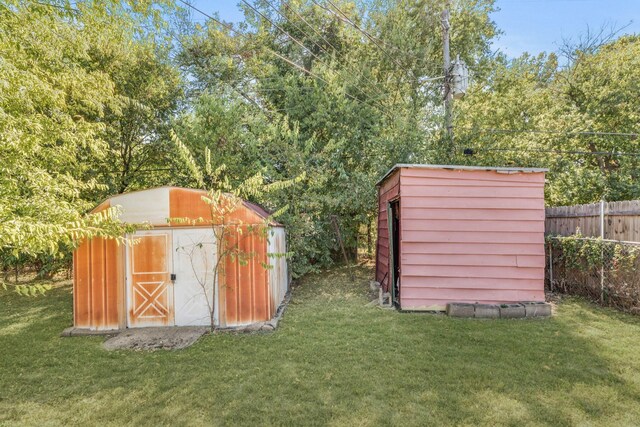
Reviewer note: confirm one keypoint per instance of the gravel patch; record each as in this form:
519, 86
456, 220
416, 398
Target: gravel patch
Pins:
169, 338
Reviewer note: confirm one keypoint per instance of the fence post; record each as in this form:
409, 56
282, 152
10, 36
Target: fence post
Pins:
602, 251
602, 218
550, 266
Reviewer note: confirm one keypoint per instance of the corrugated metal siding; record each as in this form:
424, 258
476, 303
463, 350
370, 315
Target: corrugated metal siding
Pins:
244, 294
187, 203
98, 284
244, 291
278, 274
389, 189
471, 236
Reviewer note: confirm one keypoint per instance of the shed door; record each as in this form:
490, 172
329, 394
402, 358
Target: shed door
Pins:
393, 218
194, 264
149, 286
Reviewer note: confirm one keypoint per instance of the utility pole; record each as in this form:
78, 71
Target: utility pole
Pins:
448, 95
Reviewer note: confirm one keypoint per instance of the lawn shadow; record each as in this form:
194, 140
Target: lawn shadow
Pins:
333, 361
507, 372
500, 372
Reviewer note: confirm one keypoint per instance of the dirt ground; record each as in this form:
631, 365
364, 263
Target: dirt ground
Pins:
169, 338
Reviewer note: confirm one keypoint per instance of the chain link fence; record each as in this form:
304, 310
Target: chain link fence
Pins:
605, 271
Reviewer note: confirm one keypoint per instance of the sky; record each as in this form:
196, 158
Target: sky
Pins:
528, 25
540, 25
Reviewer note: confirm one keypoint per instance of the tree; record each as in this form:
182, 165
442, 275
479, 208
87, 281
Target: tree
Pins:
531, 112
58, 96
344, 115
150, 88
228, 229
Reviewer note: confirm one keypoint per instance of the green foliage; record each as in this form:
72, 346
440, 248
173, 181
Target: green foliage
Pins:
602, 270
365, 110
578, 252
45, 98
30, 290
44, 265
81, 85
593, 93
90, 90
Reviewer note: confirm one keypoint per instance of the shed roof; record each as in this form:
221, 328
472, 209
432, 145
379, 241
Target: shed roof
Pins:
460, 167
141, 203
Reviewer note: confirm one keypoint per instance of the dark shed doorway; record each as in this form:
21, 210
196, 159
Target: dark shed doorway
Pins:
393, 211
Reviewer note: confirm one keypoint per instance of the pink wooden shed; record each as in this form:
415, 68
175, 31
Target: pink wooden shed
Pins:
460, 234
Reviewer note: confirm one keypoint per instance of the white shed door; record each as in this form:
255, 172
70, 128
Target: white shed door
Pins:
193, 263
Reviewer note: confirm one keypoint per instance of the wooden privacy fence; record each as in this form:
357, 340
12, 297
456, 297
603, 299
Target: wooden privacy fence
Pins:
609, 220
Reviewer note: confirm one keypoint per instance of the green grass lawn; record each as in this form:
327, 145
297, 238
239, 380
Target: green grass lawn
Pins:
333, 361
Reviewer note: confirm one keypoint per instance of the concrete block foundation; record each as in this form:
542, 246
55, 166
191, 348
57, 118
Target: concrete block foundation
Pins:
460, 310
503, 311
486, 311
512, 311
537, 309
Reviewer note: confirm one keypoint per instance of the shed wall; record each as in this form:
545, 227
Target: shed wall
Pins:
278, 274
389, 190
470, 236
98, 285
244, 294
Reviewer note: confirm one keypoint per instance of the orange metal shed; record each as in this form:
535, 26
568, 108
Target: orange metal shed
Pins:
119, 286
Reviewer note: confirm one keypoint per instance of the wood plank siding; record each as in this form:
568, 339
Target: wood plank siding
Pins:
389, 190
470, 236
465, 235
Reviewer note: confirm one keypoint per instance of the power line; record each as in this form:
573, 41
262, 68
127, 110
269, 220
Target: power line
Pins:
302, 18
577, 152
357, 27
373, 39
554, 132
66, 8
361, 73
299, 67
290, 62
377, 42
227, 26
318, 33
120, 172
283, 58
291, 22
295, 40
312, 53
